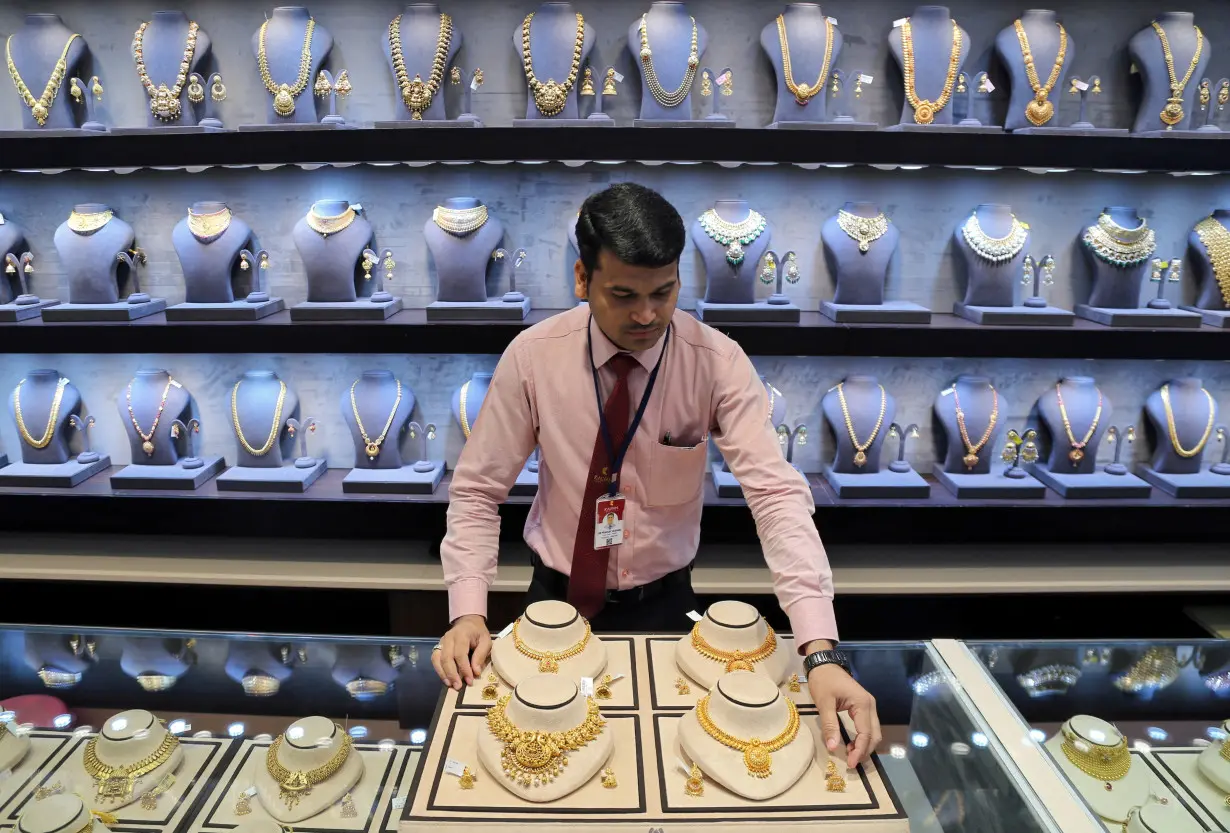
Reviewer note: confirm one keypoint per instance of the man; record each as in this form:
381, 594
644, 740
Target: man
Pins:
622, 396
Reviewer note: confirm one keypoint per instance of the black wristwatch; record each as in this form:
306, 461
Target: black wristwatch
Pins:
818, 658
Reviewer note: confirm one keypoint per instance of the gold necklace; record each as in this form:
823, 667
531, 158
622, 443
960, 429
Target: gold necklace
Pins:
804, 93
164, 103
460, 222
735, 660
115, 783
40, 108
734, 236
294, 785
1216, 240
1078, 446
50, 430
548, 661
925, 110
1225, 749
1172, 113
89, 223
372, 447
531, 758
675, 97
461, 410
1105, 763
416, 95
1174, 435
273, 431
324, 226
207, 228
862, 230
860, 449
284, 95
1117, 245
972, 449
995, 249
147, 440
551, 97
756, 752
1041, 109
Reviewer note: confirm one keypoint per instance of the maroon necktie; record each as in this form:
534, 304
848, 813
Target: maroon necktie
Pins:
587, 581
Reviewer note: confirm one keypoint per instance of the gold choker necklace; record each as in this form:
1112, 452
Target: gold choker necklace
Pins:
548, 661
294, 785
1105, 763
207, 228
735, 660
50, 430
284, 95
416, 95
1119, 246
551, 97
995, 249
534, 759
460, 222
274, 431
862, 230
89, 223
40, 108
164, 102
756, 752
1216, 240
115, 783
324, 226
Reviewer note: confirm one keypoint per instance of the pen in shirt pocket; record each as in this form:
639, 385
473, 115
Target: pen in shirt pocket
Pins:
666, 440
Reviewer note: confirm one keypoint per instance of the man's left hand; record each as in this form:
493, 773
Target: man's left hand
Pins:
833, 691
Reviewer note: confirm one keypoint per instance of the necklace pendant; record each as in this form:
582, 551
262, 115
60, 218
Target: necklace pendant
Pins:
548, 664
1076, 455
373, 450
738, 663
803, 95
39, 110
1039, 111
757, 759
734, 253
116, 788
148, 448
860, 459
284, 102
864, 246
970, 460
417, 98
924, 113
164, 106
1172, 113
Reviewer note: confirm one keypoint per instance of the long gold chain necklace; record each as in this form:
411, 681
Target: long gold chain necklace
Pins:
804, 93
756, 752
324, 225
734, 236
273, 431
675, 97
460, 222
551, 97
925, 110
207, 228
147, 440
532, 758
971, 456
115, 783
862, 230
1119, 246
860, 449
416, 95
461, 410
1174, 435
735, 660
1216, 240
164, 102
40, 107
995, 249
50, 430
1172, 113
1078, 446
88, 223
1041, 109
1105, 763
293, 786
548, 661
284, 95
372, 447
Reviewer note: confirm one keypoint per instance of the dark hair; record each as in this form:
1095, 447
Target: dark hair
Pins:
634, 223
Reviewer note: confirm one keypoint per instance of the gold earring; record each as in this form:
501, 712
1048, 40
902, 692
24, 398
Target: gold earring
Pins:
97, 88
323, 87
343, 87
587, 83
196, 92
389, 263
1073, 89
608, 86
467, 778
264, 261
695, 785
706, 85
243, 263
368, 263
478, 77
794, 685
792, 268
75, 91
768, 272
349, 811
1027, 271
836, 87
603, 690
833, 782
491, 691
29, 268
1205, 94
218, 91
1029, 452
681, 686
1223, 95
454, 76
961, 83
1097, 86
608, 779
9, 269
858, 87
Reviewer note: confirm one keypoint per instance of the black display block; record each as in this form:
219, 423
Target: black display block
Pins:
122, 311
1096, 485
345, 310
51, 475
989, 486
889, 312
1183, 134
288, 479
494, 309
879, 484
682, 124
1014, 316
944, 128
1203, 484
1071, 131
435, 124
169, 130
12, 313
822, 125
1142, 317
237, 311
170, 478
1211, 317
402, 481
562, 123
762, 313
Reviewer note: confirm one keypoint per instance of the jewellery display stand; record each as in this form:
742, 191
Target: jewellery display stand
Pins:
730, 626
987, 478
57, 813
1145, 49
15, 745
92, 261
284, 42
932, 34
1194, 416
861, 275
843, 110
419, 31
730, 288
1080, 478
466, 414
209, 268
1115, 300
125, 738
723, 480
13, 255
375, 398
810, 38
864, 397
162, 467
53, 465
36, 49
553, 35
669, 31
336, 285
461, 264
548, 627
1041, 27
1113, 804
1213, 299
163, 45
990, 293
1198, 778
261, 410
306, 745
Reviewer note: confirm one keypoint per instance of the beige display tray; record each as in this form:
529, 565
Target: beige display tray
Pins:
407, 767
662, 673
1177, 767
620, 659
201, 758
45, 748
645, 761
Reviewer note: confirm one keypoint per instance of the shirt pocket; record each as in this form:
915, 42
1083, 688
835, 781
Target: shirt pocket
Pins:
676, 474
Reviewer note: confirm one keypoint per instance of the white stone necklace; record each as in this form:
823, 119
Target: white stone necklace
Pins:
995, 249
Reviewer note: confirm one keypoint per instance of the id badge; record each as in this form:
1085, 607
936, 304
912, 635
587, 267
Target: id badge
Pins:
609, 521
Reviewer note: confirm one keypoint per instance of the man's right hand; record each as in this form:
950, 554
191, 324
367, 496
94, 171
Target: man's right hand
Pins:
463, 652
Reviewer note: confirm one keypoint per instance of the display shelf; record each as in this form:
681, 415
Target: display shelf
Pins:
507, 144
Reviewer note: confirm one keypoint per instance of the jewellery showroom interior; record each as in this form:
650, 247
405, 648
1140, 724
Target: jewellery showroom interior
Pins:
259, 265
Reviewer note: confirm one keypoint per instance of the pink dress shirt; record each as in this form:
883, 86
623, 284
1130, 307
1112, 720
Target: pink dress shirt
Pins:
542, 394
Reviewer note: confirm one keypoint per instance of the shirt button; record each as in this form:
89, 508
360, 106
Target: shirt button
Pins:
627, 534
626, 574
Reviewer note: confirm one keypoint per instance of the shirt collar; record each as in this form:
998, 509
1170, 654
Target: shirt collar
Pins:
604, 349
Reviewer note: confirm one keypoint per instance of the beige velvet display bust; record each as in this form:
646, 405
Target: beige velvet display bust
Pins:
124, 739
14, 744
1132, 790
62, 813
1213, 766
306, 745
548, 703
731, 626
747, 705
548, 627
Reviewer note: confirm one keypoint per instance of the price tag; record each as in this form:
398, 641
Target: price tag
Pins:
587, 686
899, 22
987, 86
474, 83
1080, 85
1134, 70
947, 392
176, 384
619, 78
507, 630
249, 792
616, 677
866, 79
1, 219
454, 767
357, 207
722, 79
832, 20
398, 802
694, 616
687, 770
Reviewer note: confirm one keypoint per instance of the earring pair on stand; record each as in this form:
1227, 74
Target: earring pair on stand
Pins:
341, 86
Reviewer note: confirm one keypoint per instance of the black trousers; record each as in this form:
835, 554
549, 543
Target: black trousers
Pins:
660, 607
